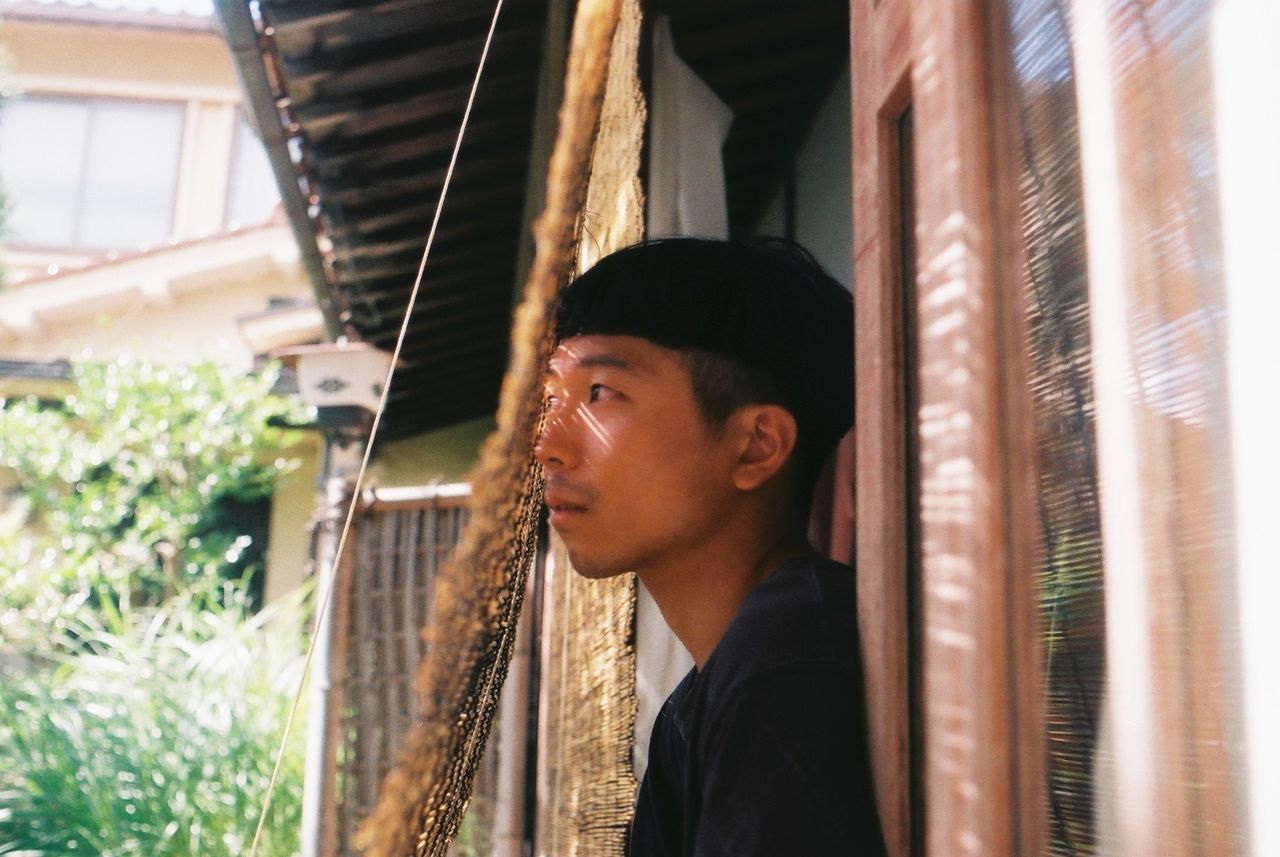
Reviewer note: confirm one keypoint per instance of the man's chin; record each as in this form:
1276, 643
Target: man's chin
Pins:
597, 573
594, 568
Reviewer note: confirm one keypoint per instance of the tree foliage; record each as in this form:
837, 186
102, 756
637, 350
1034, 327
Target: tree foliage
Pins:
142, 695
141, 698
120, 490
155, 737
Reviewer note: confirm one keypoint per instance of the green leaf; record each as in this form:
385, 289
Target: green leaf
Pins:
127, 485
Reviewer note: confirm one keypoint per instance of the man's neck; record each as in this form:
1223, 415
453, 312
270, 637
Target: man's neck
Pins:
700, 594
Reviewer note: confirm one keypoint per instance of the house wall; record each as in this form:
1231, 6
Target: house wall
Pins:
193, 67
64, 56
824, 188
185, 299
440, 456
292, 506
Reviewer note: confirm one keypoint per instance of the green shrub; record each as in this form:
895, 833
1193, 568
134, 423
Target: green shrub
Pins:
155, 737
122, 491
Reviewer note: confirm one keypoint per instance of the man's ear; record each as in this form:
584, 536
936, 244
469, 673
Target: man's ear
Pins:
767, 436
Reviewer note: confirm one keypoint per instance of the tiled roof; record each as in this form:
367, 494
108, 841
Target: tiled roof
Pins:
57, 370
100, 9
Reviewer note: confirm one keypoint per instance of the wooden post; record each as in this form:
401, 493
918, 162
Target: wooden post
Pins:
328, 670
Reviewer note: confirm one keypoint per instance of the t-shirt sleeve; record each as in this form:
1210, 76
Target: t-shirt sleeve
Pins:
786, 770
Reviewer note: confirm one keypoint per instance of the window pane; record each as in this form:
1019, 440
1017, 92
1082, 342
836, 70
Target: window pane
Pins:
1070, 583
132, 174
1175, 729
253, 194
1166, 778
41, 163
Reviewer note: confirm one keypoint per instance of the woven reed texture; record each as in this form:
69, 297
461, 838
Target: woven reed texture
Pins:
613, 215
590, 687
1166, 135
398, 556
590, 677
471, 632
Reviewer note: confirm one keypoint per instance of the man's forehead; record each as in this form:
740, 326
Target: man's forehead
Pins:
626, 353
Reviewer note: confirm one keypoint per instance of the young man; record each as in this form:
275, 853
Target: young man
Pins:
696, 390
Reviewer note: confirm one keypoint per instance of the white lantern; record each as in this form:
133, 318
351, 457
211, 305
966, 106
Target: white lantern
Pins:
339, 374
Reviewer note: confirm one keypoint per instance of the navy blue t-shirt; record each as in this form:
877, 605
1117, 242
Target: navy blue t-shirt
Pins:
764, 752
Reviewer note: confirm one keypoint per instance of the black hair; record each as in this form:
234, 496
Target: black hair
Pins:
756, 322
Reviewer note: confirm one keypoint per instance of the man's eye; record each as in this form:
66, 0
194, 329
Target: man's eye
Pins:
598, 392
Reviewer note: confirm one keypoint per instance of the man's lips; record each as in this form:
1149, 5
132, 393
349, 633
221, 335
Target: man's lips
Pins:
564, 504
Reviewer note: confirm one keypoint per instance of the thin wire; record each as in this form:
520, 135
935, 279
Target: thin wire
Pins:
336, 566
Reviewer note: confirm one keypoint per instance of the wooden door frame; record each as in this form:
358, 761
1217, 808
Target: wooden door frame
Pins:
881, 88
968, 675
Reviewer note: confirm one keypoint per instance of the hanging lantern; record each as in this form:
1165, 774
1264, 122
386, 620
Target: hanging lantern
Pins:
342, 379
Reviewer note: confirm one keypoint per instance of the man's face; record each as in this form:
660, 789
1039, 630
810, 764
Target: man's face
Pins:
635, 478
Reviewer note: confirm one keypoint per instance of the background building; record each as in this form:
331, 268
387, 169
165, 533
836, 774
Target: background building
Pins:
143, 218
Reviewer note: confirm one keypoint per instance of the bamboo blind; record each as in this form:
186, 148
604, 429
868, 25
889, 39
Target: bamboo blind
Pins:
1069, 582
1155, 72
398, 553
1171, 762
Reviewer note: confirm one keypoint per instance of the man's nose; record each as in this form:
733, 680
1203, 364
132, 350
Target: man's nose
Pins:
556, 446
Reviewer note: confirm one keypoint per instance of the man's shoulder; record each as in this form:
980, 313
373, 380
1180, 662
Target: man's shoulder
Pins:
801, 617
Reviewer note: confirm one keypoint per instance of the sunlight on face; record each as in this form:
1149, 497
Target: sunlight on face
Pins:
628, 461
567, 360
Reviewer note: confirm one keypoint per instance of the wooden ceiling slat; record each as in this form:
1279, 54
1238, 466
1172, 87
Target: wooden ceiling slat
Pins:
359, 38
389, 109
458, 257
493, 318
417, 215
378, 89
331, 32
353, 256
399, 143
287, 13
470, 379
448, 265
310, 80
446, 339
499, 164
488, 287
507, 130
488, 224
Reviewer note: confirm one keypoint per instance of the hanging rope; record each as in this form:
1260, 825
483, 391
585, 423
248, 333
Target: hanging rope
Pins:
337, 564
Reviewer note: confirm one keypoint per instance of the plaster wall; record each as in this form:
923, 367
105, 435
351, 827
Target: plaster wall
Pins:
133, 62
293, 504
442, 456
824, 188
